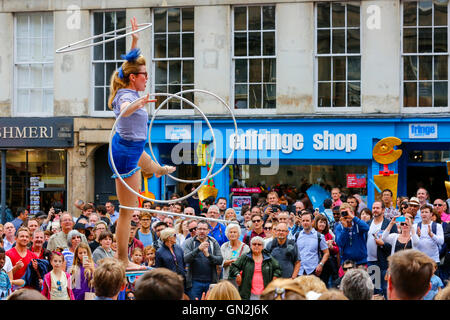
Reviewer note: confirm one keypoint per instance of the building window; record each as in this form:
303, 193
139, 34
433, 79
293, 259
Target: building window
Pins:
425, 54
106, 57
173, 54
254, 57
34, 64
338, 55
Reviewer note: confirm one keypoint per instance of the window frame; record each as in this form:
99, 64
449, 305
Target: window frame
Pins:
15, 88
164, 110
419, 109
107, 112
252, 111
332, 55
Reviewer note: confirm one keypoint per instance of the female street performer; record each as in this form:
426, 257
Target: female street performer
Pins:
130, 138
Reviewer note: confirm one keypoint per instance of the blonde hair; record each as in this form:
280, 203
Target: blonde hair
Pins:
332, 294
109, 277
443, 294
224, 290
311, 283
128, 67
166, 233
77, 263
283, 289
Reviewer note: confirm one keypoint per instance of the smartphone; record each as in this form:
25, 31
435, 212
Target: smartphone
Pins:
85, 259
400, 219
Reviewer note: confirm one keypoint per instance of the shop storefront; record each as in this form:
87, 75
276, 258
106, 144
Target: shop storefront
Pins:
34, 152
328, 152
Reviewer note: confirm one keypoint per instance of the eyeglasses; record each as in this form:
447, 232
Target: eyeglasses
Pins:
403, 224
255, 221
257, 244
438, 204
144, 73
193, 229
348, 268
267, 228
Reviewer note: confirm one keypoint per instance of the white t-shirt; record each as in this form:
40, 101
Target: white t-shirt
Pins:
371, 244
8, 265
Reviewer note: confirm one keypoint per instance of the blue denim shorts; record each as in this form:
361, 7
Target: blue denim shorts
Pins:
126, 154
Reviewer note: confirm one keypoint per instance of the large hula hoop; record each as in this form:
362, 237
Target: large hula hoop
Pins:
121, 179
72, 46
234, 144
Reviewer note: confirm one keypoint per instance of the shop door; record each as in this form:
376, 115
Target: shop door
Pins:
429, 177
105, 188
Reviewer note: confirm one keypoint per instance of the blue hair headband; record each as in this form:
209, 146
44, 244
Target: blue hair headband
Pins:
130, 57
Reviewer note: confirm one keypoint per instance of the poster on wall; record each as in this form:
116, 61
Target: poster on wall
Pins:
355, 180
239, 201
35, 199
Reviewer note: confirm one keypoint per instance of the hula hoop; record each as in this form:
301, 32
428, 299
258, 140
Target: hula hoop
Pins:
71, 47
121, 179
234, 145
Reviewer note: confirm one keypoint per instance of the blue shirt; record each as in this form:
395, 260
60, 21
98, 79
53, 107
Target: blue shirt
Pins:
218, 233
114, 217
146, 239
134, 127
5, 285
307, 250
17, 223
436, 283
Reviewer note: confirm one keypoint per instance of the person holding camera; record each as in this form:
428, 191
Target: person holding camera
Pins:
351, 236
274, 207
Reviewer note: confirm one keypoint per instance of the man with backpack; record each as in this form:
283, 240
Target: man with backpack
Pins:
312, 247
430, 234
285, 252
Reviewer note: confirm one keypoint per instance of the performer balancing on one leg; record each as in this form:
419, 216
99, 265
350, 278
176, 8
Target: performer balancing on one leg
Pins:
129, 141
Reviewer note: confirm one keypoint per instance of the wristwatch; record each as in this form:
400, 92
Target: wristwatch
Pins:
321, 264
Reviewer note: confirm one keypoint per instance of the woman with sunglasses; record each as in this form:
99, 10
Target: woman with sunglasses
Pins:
232, 249
255, 270
127, 147
405, 239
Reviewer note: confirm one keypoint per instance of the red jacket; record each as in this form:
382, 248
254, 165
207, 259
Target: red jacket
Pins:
48, 286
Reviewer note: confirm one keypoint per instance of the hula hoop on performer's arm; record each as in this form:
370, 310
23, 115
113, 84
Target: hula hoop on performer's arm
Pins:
73, 46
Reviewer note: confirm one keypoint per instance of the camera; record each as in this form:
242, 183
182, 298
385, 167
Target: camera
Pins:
344, 213
276, 208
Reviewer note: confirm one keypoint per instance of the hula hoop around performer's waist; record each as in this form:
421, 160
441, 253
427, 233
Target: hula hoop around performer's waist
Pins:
126, 154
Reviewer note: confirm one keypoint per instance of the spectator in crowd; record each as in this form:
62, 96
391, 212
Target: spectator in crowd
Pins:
170, 255
21, 217
336, 197
445, 267
246, 213
189, 211
310, 245
99, 227
110, 210
5, 282
132, 241
377, 249
159, 284
137, 256
442, 208
346, 266
20, 255
10, 236
357, 285
403, 207
104, 250
285, 252
366, 215
202, 255
436, 285
32, 225
135, 218
144, 233
257, 228
269, 230
221, 203
405, 239
331, 267
283, 289
232, 249
94, 218
274, 206
351, 236
390, 211
82, 273
328, 212
258, 269
337, 218
103, 215
109, 279
57, 283
59, 240
230, 214
413, 208
37, 246
86, 212
169, 221
351, 200
217, 229
312, 286
181, 227
192, 228
73, 240
159, 226
409, 275
26, 294
430, 234
223, 290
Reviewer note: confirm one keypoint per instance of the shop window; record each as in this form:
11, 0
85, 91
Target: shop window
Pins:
34, 64
338, 55
173, 54
254, 57
46, 167
425, 54
106, 57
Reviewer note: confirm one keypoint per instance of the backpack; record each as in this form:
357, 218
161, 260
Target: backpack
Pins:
318, 243
433, 226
